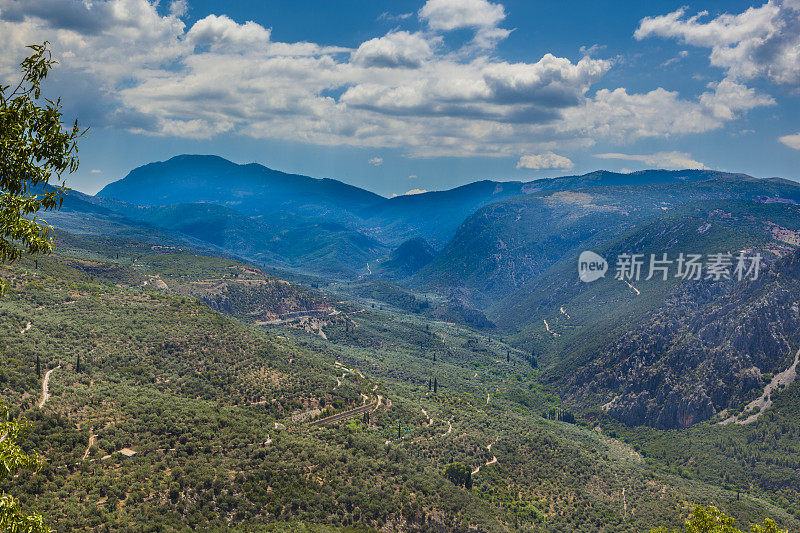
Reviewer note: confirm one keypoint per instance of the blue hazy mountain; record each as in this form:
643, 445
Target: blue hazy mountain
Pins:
256, 190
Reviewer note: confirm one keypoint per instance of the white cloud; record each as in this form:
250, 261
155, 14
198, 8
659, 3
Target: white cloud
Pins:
220, 33
483, 16
415, 191
792, 141
396, 49
624, 117
178, 8
450, 15
729, 99
125, 65
681, 55
547, 160
667, 160
376, 161
413, 177
96, 171
388, 16
759, 42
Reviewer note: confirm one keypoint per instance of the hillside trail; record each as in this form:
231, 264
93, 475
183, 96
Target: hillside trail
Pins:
430, 419
764, 401
637, 291
46, 386
547, 327
492, 461
449, 429
92, 441
26, 328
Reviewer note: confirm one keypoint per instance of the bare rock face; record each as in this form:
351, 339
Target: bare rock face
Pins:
706, 350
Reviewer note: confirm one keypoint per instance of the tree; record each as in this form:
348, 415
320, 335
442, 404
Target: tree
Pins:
35, 147
460, 474
712, 520
12, 458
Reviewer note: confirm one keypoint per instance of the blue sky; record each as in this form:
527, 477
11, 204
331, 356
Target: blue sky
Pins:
402, 96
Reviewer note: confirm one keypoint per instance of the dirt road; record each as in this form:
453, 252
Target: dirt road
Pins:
46, 386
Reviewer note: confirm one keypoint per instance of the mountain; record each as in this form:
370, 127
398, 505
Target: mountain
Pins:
279, 239
504, 246
252, 189
256, 190
709, 350
664, 354
435, 215
605, 178
406, 259
659, 352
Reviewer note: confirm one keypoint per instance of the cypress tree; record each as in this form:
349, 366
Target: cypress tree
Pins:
38, 367
435, 385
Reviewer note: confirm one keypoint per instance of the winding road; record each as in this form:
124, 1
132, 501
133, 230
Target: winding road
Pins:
492, 461
46, 386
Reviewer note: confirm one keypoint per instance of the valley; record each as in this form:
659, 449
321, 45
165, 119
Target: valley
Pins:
197, 382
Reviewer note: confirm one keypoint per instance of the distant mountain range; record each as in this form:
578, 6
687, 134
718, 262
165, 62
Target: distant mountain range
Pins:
504, 255
257, 191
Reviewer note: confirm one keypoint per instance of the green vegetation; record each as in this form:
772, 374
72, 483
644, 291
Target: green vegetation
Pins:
34, 148
217, 414
762, 457
712, 520
460, 474
13, 458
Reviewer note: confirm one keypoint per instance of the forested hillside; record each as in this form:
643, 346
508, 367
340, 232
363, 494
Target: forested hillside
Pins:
164, 413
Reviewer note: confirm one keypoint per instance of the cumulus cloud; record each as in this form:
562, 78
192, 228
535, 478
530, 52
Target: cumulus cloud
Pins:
483, 16
729, 99
220, 33
759, 42
624, 117
450, 15
415, 191
792, 141
125, 65
667, 160
376, 161
547, 160
396, 49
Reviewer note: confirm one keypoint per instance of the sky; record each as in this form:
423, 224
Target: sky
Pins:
405, 96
